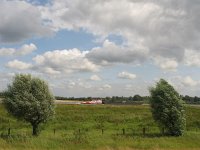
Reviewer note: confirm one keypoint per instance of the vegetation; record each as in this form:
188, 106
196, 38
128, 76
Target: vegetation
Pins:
1, 94
167, 108
191, 100
136, 99
29, 99
90, 119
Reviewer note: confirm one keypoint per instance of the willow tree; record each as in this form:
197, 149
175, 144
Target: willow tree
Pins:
29, 98
167, 108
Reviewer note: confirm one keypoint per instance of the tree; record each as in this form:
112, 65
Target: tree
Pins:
167, 108
28, 98
137, 98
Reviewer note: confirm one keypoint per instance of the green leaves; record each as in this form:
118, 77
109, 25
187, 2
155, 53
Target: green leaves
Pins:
167, 108
28, 98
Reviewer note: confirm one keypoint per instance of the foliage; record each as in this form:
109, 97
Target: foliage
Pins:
136, 99
1, 94
28, 98
167, 108
191, 100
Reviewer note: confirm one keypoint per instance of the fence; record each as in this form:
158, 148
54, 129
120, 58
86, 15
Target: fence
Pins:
142, 131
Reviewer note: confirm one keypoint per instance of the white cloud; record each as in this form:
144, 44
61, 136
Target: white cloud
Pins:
112, 53
7, 51
20, 21
26, 49
126, 75
166, 63
16, 64
64, 61
188, 81
95, 78
165, 32
105, 87
51, 71
23, 50
192, 58
159, 28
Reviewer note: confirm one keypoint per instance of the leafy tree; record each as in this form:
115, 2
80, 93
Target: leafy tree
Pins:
28, 98
137, 98
167, 108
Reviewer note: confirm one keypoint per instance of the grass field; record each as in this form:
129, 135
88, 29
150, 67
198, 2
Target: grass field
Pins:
80, 127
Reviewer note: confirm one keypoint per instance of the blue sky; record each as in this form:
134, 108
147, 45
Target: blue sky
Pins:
101, 48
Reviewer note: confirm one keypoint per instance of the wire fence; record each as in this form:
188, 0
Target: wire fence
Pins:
79, 132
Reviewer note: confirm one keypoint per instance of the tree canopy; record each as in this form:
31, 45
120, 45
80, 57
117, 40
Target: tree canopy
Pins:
167, 108
29, 98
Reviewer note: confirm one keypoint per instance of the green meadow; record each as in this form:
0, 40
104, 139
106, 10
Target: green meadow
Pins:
102, 127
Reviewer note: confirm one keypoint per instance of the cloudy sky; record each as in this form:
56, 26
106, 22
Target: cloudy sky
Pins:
102, 47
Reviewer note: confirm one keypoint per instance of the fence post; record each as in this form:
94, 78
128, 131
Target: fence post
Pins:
54, 131
102, 131
144, 131
9, 131
123, 130
79, 131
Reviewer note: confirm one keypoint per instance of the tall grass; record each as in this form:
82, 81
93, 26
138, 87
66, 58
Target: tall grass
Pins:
98, 127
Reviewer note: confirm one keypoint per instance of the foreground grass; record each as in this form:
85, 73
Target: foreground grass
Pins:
80, 127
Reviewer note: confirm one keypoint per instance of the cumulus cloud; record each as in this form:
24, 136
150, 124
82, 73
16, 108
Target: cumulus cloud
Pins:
166, 33
126, 75
163, 28
95, 78
23, 50
192, 58
185, 85
16, 64
20, 21
166, 63
105, 87
64, 61
111, 53
26, 49
7, 51
188, 81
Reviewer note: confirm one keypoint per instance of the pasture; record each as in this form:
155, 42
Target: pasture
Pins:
98, 127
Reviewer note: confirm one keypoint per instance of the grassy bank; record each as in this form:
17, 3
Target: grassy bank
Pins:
99, 127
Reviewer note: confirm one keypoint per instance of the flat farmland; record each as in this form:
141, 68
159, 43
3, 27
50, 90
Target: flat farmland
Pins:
98, 127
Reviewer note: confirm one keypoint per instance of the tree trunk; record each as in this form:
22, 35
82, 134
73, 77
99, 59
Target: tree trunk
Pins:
35, 129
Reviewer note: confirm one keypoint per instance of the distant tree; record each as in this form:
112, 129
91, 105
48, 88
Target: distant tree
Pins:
167, 108
196, 99
28, 98
137, 98
1, 94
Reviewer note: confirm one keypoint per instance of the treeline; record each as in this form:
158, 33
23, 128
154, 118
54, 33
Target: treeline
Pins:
145, 99
124, 100
137, 99
111, 100
73, 98
191, 100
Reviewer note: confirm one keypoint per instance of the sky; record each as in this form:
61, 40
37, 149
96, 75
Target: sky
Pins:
102, 48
